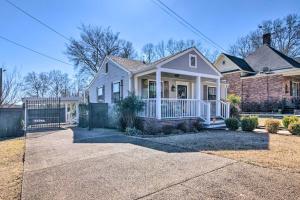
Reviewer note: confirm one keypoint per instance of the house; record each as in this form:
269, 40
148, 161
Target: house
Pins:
266, 79
189, 86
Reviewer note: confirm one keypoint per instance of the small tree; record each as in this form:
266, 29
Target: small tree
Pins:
235, 102
128, 108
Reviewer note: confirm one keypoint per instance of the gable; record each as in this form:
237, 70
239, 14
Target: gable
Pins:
224, 64
182, 63
266, 57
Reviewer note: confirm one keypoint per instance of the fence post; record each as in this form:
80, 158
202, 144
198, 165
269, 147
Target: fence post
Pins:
90, 115
25, 115
227, 110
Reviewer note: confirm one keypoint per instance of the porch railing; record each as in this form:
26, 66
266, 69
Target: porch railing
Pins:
184, 108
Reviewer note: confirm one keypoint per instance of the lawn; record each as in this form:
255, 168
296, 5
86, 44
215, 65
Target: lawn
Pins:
11, 168
258, 148
283, 153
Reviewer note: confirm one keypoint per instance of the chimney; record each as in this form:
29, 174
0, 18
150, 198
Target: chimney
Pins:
267, 39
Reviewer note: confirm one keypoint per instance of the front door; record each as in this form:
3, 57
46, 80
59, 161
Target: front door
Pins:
181, 91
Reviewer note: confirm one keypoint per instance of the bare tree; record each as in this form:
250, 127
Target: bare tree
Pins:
171, 47
33, 84
59, 83
285, 37
94, 44
44, 83
11, 88
149, 52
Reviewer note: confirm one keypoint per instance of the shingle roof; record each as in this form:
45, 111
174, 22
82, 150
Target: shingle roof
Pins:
293, 62
240, 62
131, 65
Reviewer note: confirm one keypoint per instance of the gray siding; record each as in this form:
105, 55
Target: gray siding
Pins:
182, 63
115, 73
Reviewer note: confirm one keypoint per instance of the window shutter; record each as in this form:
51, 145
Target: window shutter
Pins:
121, 89
291, 88
112, 94
103, 92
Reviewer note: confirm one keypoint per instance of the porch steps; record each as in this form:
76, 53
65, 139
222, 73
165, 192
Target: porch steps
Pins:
219, 124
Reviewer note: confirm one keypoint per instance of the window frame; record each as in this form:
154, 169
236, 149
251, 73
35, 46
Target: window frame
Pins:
295, 90
102, 97
162, 88
190, 61
114, 99
208, 95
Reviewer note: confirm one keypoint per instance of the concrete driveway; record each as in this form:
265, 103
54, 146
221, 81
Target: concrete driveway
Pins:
78, 164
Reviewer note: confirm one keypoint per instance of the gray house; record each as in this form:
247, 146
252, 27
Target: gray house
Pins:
189, 86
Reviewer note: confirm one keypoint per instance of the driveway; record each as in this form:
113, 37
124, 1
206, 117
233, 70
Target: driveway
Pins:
103, 164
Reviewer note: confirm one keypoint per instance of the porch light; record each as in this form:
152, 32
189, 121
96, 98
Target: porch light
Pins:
173, 88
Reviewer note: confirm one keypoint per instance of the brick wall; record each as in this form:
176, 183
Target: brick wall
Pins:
234, 81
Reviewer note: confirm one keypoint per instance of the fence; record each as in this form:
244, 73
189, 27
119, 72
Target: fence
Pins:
93, 115
11, 122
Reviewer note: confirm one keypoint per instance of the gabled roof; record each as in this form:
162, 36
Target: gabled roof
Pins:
268, 57
293, 62
130, 65
241, 63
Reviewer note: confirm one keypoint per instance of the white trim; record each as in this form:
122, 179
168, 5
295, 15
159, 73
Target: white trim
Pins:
152, 80
183, 72
120, 66
190, 64
144, 73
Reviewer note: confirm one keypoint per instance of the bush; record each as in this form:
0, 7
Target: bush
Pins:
272, 125
235, 102
127, 110
197, 125
183, 127
287, 120
232, 123
249, 123
132, 131
151, 127
294, 128
139, 124
167, 129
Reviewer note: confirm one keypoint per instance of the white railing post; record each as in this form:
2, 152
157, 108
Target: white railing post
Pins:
25, 116
208, 113
198, 95
227, 110
158, 94
218, 97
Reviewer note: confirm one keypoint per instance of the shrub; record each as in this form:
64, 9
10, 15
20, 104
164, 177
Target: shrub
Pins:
132, 131
127, 110
183, 127
287, 120
138, 124
151, 127
232, 123
167, 129
249, 123
294, 128
272, 125
197, 125
235, 102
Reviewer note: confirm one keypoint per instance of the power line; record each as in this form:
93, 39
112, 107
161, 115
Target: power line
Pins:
38, 20
32, 50
185, 23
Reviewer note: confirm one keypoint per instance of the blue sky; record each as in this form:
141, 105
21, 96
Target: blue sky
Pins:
139, 21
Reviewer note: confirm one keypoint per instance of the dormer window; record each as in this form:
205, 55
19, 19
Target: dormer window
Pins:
193, 61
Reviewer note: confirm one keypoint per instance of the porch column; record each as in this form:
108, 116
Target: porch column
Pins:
136, 86
198, 95
158, 94
77, 113
218, 97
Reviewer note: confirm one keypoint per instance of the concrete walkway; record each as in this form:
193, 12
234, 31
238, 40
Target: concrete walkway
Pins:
103, 164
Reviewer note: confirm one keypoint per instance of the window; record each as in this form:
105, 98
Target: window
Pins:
106, 67
100, 93
117, 91
223, 62
296, 89
211, 93
152, 89
193, 61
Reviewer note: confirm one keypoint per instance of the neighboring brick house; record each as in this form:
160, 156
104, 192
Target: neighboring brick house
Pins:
264, 77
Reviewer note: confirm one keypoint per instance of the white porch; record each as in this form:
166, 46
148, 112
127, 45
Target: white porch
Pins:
181, 94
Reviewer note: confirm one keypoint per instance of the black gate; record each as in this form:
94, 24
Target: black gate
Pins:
98, 115
43, 113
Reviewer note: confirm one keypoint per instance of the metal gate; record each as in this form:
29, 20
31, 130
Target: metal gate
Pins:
43, 113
